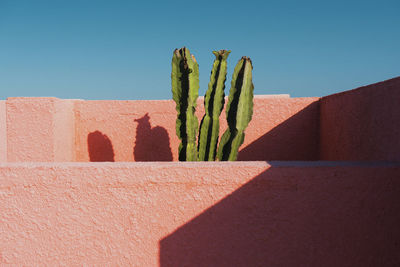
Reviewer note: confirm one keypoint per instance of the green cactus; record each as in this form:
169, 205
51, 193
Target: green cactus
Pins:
185, 90
239, 110
185, 86
213, 104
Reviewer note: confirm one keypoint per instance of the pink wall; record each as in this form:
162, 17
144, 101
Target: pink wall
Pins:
39, 129
282, 128
3, 132
64, 130
362, 124
51, 129
30, 129
110, 130
199, 214
195, 213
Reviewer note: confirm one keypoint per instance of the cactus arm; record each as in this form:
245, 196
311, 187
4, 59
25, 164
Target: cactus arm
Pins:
239, 110
224, 147
185, 86
230, 144
213, 104
245, 105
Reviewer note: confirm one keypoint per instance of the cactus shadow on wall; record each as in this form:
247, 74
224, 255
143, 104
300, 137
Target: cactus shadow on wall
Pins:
100, 147
151, 144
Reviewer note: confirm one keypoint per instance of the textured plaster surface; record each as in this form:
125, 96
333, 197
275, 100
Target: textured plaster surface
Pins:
362, 124
64, 130
116, 123
3, 132
145, 130
40, 129
30, 130
199, 214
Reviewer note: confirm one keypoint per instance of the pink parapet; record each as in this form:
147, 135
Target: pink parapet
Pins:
39, 129
199, 214
137, 129
313, 185
362, 124
3, 132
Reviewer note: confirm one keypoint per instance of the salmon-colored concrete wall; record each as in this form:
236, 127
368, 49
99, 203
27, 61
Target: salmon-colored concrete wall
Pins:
30, 129
3, 132
110, 130
282, 128
199, 214
362, 124
196, 213
39, 129
51, 129
64, 130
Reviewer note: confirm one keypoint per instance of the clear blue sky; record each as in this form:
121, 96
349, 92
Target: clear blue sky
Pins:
122, 49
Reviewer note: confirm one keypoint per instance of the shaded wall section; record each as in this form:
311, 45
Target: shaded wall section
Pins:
286, 129
151, 143
199, 214
100, 147
297, 216
362, 124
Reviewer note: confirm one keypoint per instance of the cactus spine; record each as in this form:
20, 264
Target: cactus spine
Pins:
213, 104
239, 110
185, 90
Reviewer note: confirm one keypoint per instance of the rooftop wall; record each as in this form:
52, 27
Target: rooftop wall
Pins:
51, 129
145, 130
39, 129
362, 124
199, 214
3, 132
285, 213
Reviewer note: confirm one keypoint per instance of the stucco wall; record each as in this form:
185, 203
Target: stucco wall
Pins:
362, 124
196, 213
51, 129
282, 128
30, 133
199, 214
3, 132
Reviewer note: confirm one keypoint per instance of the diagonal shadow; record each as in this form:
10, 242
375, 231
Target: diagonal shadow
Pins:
296, 216
237, 231
297, 138
100, 147
151, 144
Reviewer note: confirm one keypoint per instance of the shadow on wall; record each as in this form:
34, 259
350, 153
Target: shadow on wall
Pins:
100, 147
283, 218
297, 138
151, 144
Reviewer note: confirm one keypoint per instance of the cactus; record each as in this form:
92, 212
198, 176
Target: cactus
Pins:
185, 86
213, 104
185, 90
239, 110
